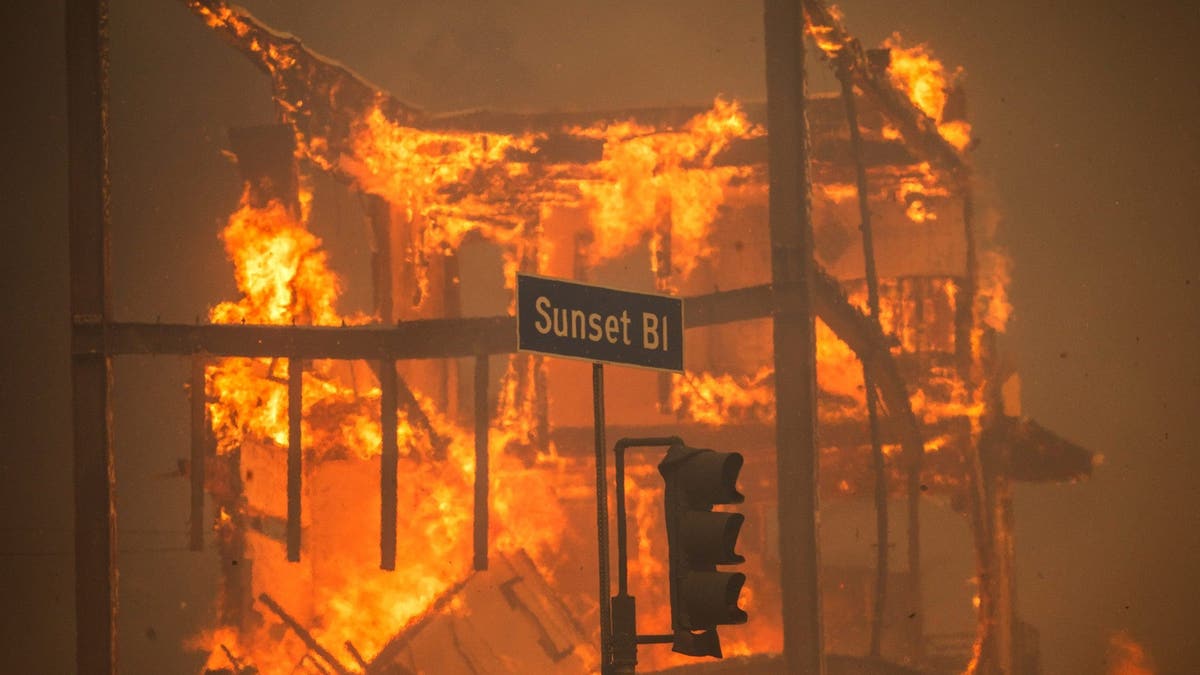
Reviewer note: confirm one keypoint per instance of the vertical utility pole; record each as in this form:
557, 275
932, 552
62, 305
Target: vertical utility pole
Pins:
91, 374
795, 342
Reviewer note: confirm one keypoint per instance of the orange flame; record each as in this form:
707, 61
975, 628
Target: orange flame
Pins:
284, 278
1126, 656
661, 188
915, 71
646, 179
825, 37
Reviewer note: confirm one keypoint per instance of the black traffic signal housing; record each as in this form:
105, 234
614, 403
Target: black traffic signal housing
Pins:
699, 539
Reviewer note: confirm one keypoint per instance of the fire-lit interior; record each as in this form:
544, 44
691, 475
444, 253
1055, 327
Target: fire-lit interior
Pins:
669, 200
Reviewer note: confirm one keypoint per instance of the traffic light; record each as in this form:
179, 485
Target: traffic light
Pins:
699, 539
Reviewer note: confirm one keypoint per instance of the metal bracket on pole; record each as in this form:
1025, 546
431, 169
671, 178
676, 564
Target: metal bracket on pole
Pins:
624, 606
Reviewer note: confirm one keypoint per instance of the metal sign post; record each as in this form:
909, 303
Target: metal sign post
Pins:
601, 325
602, 518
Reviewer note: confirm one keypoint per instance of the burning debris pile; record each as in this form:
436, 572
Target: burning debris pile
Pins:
678, 195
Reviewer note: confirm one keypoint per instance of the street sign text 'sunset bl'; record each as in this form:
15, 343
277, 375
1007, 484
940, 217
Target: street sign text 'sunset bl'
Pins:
564, 318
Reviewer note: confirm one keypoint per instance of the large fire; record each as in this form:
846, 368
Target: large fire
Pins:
284, 279
654, 189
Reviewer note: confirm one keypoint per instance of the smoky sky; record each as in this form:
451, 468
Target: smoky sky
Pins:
1087, 119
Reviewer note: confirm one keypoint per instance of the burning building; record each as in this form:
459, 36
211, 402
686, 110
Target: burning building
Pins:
401, 491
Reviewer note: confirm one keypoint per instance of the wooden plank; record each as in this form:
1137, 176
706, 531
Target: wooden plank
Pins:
295, 456
424, 339
389, 463
920, 133
482, 419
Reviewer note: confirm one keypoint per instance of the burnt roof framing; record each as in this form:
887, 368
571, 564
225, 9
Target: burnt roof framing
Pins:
95, 338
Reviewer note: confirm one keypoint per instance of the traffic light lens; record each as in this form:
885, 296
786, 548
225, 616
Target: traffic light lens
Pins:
709, 537
711, 478
711, 598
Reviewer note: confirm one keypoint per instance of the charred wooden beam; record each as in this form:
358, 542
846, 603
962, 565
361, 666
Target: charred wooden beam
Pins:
302, 633
295, 466
416, 415
857, 330
300, 76
870, 344
1038, 454
448, 338
91, 306
356, 655
323, 99
825, 113
389, 462
920, 132
239, 668
384, 661
482, 476
423, 339
266, 524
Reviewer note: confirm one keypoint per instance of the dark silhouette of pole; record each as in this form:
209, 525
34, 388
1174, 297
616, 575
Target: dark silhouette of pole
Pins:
86, 33
795, 342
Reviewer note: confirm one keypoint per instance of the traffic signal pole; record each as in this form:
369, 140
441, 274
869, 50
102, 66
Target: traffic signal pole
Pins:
701, 597
624, 617
792, 274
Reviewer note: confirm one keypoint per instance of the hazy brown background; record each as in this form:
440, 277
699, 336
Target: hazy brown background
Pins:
1088, 119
